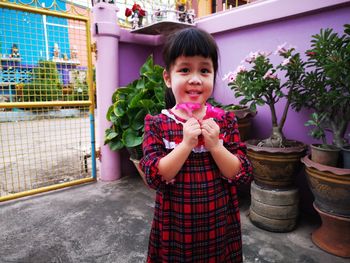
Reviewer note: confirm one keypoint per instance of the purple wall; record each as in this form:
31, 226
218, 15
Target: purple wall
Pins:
261, 26
252, 34
235, 45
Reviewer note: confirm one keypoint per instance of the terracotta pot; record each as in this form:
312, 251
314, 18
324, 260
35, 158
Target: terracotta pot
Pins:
275, 167
333, 235
330, 187
135, 152
244, 120
326, 155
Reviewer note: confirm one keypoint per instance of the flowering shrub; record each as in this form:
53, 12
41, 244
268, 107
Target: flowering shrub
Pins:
136, 9
261, 84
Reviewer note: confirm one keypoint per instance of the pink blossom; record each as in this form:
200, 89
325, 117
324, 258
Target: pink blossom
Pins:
286, 61
189, 107
269, 75
251, 57
281, 49
213, 112
264, 53
240, 69
231, 76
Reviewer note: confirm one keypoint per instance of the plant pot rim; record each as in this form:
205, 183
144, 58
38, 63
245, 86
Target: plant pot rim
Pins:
324, 168
329, 147
346, 148
296, 148
244, 112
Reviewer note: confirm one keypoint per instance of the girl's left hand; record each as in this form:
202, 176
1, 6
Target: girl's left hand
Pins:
210, 132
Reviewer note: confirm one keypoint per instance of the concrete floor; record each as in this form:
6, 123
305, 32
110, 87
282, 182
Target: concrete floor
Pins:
109, 222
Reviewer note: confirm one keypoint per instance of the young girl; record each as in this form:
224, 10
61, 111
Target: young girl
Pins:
194, 161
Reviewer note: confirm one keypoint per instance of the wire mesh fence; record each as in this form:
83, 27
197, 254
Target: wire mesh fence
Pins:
41, 148
46, 95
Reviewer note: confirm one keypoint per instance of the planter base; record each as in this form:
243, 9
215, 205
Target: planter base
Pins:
136, 163
333, 235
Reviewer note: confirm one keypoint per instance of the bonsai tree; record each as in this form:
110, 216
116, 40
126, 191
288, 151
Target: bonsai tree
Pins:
326, 85
132, 103
260, 85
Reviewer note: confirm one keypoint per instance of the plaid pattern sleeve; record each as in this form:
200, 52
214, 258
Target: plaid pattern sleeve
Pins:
233, 143
153, 151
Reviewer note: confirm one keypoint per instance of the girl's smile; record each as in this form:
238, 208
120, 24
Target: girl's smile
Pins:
191, 79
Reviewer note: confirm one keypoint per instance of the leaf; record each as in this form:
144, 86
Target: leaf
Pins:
147, 66
115, 145
131, 138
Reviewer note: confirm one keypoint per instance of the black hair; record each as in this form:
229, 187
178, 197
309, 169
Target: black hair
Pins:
188, 42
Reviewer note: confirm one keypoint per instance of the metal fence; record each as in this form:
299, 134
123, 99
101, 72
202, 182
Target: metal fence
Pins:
46, 97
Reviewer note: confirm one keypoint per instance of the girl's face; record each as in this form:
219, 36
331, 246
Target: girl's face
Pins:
191, 79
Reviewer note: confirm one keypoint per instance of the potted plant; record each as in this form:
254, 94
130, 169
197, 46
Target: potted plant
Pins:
260, 85
322, 153
131, 104
243, 114
275, 160
326, 91
346, 155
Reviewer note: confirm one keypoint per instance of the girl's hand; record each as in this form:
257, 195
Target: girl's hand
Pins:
191, 131
210, 131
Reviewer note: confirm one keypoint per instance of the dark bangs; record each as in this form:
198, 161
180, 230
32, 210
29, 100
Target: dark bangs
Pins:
190, 42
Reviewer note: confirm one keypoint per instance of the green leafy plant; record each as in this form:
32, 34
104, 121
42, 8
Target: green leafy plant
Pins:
326, 85
318, 132
45, 85
132, 103
260, 85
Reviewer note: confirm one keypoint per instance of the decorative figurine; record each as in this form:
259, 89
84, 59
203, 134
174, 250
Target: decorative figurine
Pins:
74, 53
135, 21
181, 8
65, 57
56, 52
190, 16
137, 14
14, 51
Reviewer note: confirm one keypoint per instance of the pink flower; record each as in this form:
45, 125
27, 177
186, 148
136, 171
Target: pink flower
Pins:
264, 53
231, 76
240, 69
213, 112
281, 49
269, 75
189, 107
286, 61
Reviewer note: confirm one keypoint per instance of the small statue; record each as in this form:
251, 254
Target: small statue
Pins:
14, 51
135, 20
56, 52
74, 53
65, 57
190, 16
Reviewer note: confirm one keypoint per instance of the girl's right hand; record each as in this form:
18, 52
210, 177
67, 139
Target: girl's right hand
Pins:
191, 131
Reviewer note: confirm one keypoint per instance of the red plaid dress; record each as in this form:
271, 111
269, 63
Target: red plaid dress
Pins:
196, 217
